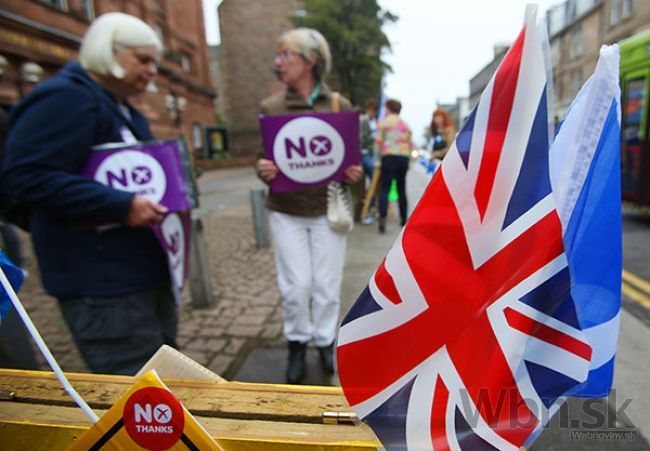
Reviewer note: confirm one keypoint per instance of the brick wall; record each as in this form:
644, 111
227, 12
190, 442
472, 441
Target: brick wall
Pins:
23, 38
249, 30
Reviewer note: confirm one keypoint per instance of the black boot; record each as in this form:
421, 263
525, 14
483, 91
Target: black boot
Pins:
296, 366
382, 225
327, 357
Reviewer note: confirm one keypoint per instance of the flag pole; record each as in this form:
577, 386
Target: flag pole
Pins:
44, 349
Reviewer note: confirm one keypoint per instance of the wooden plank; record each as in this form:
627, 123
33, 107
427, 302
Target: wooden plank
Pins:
43, 427
290, 403
372, 192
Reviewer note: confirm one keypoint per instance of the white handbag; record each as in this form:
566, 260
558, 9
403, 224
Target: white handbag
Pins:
339, 207
339, 197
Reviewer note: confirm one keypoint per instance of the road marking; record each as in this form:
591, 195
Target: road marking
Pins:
636, 281
636, 295
636, 288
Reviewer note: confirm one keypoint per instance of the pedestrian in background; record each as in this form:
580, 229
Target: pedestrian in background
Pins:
309, 255
112, 282
394, 146
443, 133
368, 130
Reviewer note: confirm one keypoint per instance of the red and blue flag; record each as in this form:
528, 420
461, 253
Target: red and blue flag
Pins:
470, 335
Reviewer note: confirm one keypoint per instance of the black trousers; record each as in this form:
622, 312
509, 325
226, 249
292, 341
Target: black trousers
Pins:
118, 334
393, 167
15, 345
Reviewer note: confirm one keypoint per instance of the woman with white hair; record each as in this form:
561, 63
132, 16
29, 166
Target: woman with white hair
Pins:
112, 283
309, 255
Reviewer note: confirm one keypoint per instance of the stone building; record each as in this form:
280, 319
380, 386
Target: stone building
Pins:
249, 30
38, 36
575, 36
625, 18
577, 29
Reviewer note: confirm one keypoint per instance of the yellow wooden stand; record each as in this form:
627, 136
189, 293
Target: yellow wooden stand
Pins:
37, 414
372, 192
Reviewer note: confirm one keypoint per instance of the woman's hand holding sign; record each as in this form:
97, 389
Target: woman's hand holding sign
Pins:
266, 169
144, 212
353, 173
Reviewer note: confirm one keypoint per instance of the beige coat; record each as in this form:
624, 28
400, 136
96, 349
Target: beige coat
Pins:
308, 202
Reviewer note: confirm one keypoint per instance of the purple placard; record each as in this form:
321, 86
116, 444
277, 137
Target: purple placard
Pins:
174, 234
310, 149
151, 170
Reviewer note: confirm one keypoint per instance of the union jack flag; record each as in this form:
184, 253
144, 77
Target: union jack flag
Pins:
467, 335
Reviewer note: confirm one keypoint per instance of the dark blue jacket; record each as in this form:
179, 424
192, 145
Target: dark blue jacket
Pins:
52, 132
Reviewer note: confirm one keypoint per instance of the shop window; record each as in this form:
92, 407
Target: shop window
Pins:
60, 4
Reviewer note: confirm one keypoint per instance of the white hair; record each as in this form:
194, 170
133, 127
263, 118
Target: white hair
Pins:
310, 43
110, 32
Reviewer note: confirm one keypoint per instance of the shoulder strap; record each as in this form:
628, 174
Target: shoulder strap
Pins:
336, 103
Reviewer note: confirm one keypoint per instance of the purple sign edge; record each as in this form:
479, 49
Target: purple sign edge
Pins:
186, 220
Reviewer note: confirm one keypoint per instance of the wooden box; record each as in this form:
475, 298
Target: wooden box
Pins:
37, 414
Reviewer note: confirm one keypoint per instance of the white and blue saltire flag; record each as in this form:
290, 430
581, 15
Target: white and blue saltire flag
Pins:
585, 176
14, 276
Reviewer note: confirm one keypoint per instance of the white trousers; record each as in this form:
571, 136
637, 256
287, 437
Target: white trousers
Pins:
309, 259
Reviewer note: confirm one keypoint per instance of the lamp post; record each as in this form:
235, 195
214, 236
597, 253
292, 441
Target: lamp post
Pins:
29, 72
176, 105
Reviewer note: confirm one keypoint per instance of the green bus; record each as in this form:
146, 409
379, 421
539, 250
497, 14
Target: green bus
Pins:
635, 146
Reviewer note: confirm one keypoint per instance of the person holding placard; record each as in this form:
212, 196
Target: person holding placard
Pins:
309, 254
96, 252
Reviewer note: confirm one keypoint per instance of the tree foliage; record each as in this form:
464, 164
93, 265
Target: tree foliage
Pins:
353, 29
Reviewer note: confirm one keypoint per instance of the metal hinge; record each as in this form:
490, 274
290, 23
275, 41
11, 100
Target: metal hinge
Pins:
7, 395
340, 418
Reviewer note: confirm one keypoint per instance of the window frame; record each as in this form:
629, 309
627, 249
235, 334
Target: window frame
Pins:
628, 9
615, 12
61, 5
186, 63
576, 43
